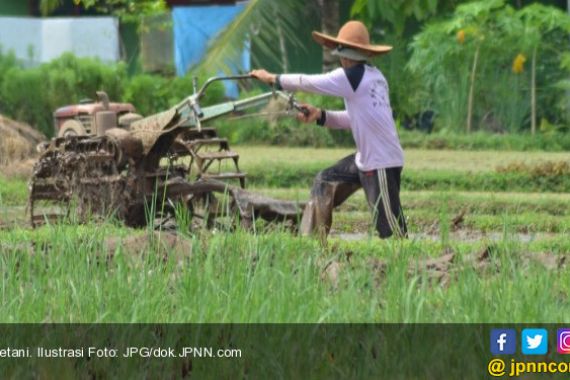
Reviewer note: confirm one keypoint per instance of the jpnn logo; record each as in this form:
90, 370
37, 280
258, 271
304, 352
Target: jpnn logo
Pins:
534, 341
504, 341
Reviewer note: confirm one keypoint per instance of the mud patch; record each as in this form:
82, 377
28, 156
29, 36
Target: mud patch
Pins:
159, 243
463, 235
441, 270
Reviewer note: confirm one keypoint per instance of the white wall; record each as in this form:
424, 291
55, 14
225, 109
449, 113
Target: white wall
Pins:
47, 39
21, 35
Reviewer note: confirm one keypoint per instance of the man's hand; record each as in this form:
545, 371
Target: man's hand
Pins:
312, 115
264, 76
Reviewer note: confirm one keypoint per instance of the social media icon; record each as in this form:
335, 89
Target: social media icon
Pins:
503, 341
563, 341
534, 341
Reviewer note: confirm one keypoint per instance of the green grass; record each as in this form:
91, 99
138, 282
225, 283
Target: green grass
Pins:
424, 169
554, 142
470, 201
252, 157
483, 212
61, 273
420, 220
276, 277
13, 191
418, 180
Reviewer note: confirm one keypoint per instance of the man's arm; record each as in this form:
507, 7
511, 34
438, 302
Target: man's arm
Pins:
334, 119
334, 83
329, 119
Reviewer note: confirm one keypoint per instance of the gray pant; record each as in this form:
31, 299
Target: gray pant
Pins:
334, 185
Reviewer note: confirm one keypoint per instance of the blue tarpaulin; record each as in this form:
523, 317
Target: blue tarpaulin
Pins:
194, 27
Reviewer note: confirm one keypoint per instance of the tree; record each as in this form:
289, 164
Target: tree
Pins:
125, 9
397, 13
261, 25
487, 35
435, 49
477, 18
536, 21
330, 24
48, 6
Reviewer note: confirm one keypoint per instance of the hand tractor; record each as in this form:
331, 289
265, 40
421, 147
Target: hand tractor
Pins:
108, 161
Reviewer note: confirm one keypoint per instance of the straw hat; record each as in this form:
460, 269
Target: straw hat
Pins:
352, 35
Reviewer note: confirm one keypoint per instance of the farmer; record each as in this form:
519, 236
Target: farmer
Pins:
377, 164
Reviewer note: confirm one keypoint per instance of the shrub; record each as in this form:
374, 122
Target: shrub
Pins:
7, 61
154, 93
542, 169
147, 93
31, 95
182, 87
24, 98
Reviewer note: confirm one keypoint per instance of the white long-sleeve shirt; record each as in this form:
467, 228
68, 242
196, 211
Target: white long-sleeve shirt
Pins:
368, 113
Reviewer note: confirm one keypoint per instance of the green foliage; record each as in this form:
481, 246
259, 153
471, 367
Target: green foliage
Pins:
70, 77
285, 131
181, 87
23, 98
31, 95
553, 142
7, 61
406, 89
127, 10
259, 23
66, 274
537, 20
292, 175
13, 192
48, 6
147, 93
442, 55
397, 13
153, 93
289, 132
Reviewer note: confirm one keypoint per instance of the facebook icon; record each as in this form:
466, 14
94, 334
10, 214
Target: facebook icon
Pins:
503, 341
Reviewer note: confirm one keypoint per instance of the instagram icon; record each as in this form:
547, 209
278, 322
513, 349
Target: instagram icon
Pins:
563, 341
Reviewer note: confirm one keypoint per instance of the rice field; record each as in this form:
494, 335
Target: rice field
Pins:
478, 252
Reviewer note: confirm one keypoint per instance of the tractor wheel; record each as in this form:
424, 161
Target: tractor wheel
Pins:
71, 128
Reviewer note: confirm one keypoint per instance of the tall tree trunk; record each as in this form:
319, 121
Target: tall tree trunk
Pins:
329, 10
533, 94
472, 90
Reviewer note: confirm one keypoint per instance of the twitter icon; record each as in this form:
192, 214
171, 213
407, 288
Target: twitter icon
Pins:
534, 341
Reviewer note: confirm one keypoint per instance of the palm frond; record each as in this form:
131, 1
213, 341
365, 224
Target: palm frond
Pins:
48, 6
257, 24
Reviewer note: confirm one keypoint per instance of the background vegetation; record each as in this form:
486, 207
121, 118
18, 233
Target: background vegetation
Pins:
33, 94
491, 65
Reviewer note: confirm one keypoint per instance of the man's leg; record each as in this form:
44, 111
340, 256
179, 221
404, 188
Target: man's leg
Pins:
331, 188
382, 188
